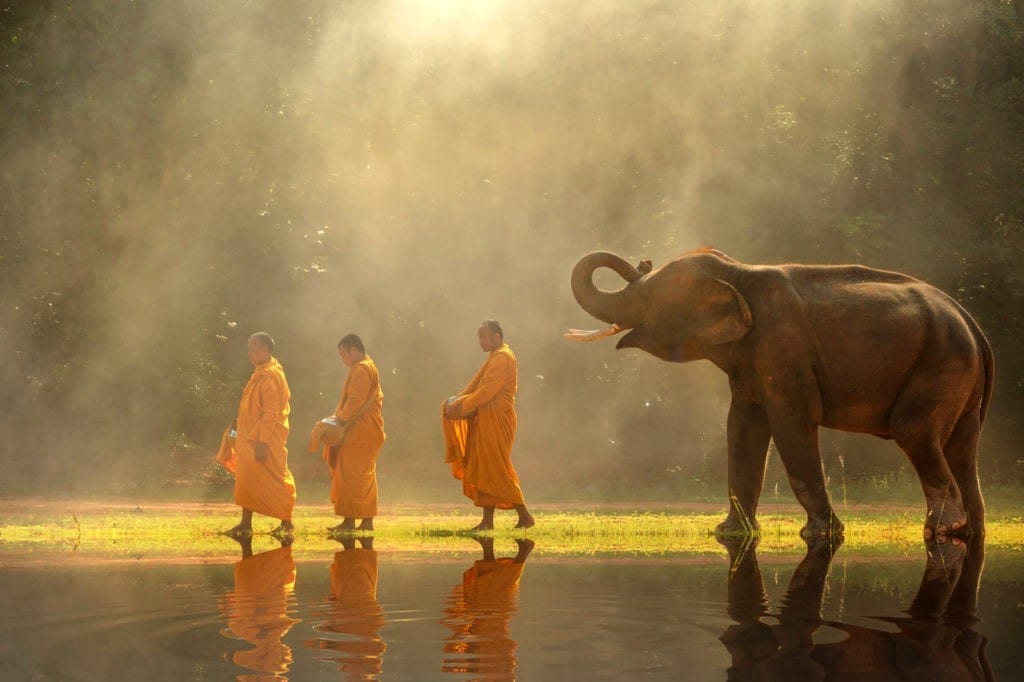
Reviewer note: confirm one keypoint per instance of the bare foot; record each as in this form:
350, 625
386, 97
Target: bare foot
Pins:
482, 526
284, 530
239, 531
366, 524
343, 527
526, 521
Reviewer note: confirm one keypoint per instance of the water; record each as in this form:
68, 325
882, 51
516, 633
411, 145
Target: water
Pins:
365, 614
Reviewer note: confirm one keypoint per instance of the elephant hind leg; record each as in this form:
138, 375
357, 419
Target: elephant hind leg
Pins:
961, 453
946, 513
920, 426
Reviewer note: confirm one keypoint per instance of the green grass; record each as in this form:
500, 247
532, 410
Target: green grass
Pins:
192, 531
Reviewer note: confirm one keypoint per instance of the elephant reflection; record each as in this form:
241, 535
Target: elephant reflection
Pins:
478, 614
355, 617
257, 609
935, 641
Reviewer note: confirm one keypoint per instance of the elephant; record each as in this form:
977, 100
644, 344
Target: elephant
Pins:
935, 640
841, 346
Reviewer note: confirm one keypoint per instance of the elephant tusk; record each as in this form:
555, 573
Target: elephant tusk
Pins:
584, 335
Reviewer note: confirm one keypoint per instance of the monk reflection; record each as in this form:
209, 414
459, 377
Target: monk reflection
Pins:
936, 640
355, 617
478, 614
257, 610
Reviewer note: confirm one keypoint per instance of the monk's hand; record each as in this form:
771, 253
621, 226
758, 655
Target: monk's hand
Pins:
262, 450
453, 409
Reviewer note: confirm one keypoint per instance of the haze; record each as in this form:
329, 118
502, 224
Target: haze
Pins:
176, 176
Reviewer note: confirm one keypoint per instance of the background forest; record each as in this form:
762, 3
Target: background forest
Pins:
177, 175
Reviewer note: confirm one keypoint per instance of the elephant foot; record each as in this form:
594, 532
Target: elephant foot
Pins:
734, 526
825, 545
737, 545
945, 521
943, 534
819, 527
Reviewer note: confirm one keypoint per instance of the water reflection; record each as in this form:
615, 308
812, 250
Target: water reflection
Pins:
935, 641
351, 633
479, 611
575, 617
257, 611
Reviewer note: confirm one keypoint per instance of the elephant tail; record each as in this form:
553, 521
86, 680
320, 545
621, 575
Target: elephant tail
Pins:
987, 362
990, 372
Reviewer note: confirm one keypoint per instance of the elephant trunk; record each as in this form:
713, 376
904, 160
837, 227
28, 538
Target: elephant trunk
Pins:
615, 307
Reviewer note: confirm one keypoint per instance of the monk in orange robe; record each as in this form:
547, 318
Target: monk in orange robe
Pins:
257, 455
257, 610
355, 616
479, 613
479, 427
354, 462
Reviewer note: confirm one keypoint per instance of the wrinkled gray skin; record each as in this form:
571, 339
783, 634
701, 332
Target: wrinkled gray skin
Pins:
846, 347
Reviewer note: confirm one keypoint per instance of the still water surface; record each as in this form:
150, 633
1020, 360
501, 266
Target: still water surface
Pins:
502, 612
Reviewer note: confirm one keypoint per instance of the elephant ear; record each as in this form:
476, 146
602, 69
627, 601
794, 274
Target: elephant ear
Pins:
713, 313
721, 314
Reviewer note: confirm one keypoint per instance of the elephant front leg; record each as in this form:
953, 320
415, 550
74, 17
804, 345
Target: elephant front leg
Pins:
748, 434
797, 442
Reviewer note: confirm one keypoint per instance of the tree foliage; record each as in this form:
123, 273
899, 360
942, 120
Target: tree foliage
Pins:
177, 176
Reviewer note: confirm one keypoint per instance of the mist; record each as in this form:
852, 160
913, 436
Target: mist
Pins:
177, 176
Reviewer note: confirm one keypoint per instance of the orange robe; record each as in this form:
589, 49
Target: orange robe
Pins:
264, 487
257, 611
354, 476
479, 448
479, 613
354, 613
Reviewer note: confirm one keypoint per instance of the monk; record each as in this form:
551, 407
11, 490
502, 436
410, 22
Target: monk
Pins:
479, 427
353, 463
257, 455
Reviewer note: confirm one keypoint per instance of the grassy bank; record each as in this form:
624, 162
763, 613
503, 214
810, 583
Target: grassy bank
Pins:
184, 530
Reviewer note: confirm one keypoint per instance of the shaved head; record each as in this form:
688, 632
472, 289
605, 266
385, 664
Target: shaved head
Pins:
490, 336
493, 326
260, 348
264, 339
352, 341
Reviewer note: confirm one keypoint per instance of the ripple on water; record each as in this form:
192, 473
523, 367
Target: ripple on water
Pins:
366, 619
